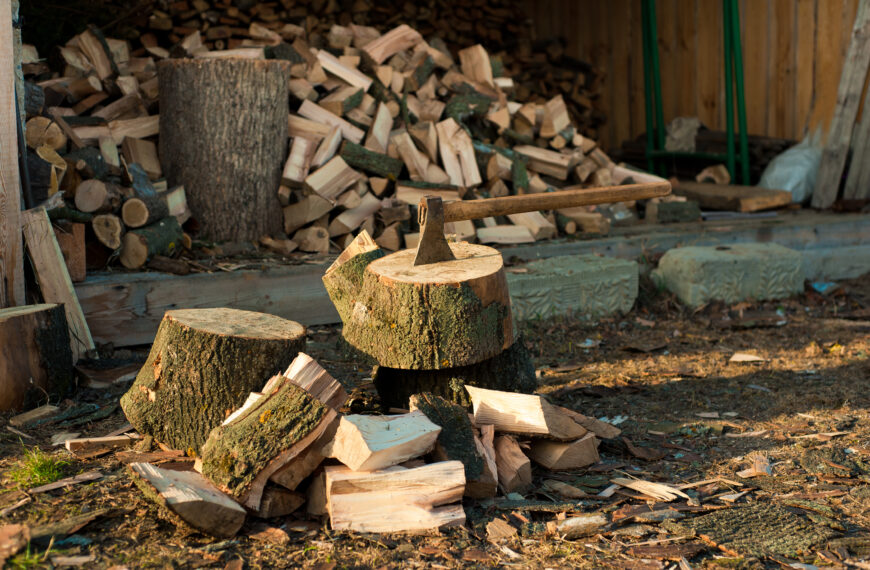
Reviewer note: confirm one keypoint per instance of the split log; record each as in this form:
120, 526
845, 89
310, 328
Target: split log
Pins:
367, 443
278, 502
512, 370
349, 220
269, 432
41, 131
305, 211
223, 136
556, 455
331, 179
139, 245
71, 241
396, 499
539, 226
202, 365
527, 414
514, 468
298, 162
426, 317
108, 229
143, 153
37, 355
189, 498
457, 441
312, 239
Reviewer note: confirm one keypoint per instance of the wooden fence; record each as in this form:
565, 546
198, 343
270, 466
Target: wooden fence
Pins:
793, 51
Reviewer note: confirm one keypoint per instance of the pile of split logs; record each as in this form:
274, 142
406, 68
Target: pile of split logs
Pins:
376, 121
287, 444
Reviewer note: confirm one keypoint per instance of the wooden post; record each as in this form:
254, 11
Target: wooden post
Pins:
11, 245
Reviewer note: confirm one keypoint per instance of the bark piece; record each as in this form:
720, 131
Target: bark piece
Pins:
426, 317
371, 161
202, 366
223, 137
457, 441
558, 455
514, 468
191, 498
269, 432
527, 414
37, 355
367, 443
396, 499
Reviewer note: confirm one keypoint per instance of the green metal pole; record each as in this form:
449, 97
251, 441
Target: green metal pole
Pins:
741, 103
657, 82
647, 90
729, 88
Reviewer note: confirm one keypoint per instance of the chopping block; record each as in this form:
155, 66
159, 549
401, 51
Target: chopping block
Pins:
442, 305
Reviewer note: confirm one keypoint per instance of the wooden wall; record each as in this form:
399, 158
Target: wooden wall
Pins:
792, 49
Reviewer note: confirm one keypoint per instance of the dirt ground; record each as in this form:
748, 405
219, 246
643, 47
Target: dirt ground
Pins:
661, 373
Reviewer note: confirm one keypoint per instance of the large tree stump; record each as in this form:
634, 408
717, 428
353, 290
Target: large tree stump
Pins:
510, 371
37, 358
426, 317
223, 135
202, 366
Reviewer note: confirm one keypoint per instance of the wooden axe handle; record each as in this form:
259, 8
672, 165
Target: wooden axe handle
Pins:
484, 208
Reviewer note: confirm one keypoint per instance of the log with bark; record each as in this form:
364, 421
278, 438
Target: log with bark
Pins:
223, 136
202, 366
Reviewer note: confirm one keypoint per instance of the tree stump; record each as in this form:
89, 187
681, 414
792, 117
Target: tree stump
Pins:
37, 357
510, 371
202, 366
427, 317
223, 135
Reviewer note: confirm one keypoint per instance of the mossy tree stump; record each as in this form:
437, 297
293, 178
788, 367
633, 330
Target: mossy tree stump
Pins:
427, 317
202, 366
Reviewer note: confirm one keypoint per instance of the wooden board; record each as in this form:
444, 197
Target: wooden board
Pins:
53, 277
734, 198
11, 247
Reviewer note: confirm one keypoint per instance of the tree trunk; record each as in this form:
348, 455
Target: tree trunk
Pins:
511, 371
428, 317
37, 358
223, 135
202, 366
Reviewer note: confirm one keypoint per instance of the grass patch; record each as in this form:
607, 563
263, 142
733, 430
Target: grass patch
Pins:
37, 468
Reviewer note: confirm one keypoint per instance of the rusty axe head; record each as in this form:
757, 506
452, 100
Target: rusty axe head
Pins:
433, 246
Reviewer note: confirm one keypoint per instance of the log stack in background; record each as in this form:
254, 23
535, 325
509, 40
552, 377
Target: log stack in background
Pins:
376, 121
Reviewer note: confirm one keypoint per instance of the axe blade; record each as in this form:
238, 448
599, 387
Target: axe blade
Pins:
433, 246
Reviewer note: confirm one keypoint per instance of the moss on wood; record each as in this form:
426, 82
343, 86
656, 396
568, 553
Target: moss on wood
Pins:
456, 438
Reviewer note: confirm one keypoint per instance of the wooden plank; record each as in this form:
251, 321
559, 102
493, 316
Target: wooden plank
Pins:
734, 198
804, 67
11, 247
126, 308
53, 277
754, 38
684, 55
780, 115
620, 60
848, 100
666, 26
709, 67
828, 63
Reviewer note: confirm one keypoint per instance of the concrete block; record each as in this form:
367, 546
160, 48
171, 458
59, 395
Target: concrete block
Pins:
834, 263
734, 273
578, 285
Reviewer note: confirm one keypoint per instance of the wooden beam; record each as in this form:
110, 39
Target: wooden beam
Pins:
11, 246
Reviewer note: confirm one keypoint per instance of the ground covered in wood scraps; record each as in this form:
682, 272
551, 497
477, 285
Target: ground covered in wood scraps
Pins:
756, 413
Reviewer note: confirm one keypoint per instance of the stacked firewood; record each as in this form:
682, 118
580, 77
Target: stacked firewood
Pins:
376, 122
289, 449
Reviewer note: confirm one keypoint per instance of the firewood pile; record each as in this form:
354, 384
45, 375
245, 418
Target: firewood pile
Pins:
287, 447
376, 121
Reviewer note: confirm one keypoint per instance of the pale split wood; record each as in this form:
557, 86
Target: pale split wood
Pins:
399, 38
350, 75
505, 234
514, 468
848, 101
559, 455
298, 161
196, 501
328, 147
396, 499
602, 430
315, 112
11, 246
309, 375
53, 277
366, 443
349, 220
362, 243
379, 133
527, 414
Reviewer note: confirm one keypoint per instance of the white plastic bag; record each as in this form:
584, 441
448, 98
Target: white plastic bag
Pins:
794, 170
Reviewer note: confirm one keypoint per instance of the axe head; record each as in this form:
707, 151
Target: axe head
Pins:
433, 246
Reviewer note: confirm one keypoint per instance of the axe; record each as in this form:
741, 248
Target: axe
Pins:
433, 213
